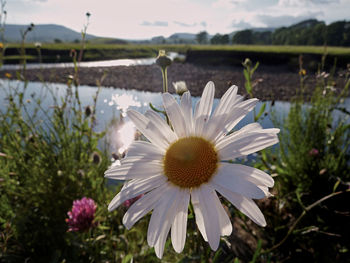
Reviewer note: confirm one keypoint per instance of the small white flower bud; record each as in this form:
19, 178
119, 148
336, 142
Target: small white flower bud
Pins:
180, 87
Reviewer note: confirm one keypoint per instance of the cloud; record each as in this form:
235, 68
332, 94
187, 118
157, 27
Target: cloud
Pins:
325, 1
195, 24
155, 23
184, 24
241, 24
285, 20
227, 3
30, 1
303, 3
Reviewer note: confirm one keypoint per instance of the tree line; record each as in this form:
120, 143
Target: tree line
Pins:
308, 32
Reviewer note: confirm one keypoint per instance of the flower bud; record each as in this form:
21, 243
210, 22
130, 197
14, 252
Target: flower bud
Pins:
96, 158
88, 111
180, 87
162, 60
247, 63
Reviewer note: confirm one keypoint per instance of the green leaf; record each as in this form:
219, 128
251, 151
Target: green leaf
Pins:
336, 185
255, 67
257, 252
128, 258
217, 255
248, 87
262, 109
100, 237
246, 74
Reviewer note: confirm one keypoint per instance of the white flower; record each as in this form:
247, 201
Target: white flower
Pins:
187, 163
180, 87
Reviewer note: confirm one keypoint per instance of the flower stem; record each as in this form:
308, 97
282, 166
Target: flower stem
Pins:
165, 79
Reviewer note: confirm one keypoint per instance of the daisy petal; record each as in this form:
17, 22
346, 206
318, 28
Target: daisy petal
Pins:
251, 127
167, 221
242, 144
134, 170
130, 160
186, 107
142, 148
142, 206
164, 128
227, 101
227, 178
239, 112
224, 220
203, 200
175, 115
160, 215
215, 127
250, 174
226, 121
243, 204
135, 188
204, 108
199, 215
179, 226
148, 129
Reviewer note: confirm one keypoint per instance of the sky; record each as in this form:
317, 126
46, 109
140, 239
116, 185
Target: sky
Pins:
144, 19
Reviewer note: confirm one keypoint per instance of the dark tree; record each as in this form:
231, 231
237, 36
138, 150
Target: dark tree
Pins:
243, 37
202, 37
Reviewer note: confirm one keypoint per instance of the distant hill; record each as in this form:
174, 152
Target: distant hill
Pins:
177, 38
46, 33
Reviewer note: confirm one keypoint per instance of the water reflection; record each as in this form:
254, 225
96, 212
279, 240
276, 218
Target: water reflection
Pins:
91, 64
124, 101
126, 135
120, 135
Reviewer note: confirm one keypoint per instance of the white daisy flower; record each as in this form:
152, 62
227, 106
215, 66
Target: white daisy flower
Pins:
187, 163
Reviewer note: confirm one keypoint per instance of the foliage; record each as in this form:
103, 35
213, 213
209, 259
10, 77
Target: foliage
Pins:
219, 39
202, 37
308, 32
313, 165
47, 164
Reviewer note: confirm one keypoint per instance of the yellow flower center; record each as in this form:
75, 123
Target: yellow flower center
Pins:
190, 162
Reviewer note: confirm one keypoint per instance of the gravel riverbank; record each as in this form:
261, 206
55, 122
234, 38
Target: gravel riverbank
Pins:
273, 83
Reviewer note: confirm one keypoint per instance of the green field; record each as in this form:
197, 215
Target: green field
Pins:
184, 48
225, 54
